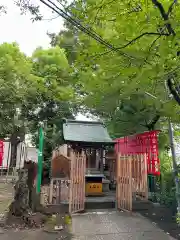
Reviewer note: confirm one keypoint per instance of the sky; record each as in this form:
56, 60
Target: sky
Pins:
20, 28
29, 35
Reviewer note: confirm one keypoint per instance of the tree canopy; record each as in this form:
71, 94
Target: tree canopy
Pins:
16, 83
34, 90
115, 79
54, 100
120, 54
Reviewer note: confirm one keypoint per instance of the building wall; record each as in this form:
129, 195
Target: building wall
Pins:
7, 155
23, 153
32, 154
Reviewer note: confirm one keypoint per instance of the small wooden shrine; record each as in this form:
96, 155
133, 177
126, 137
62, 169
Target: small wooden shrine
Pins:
93, 139
85, 166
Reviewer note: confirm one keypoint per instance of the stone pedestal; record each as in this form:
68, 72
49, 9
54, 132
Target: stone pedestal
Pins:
105, 184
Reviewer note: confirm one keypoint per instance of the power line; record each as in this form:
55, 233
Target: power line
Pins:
77, 24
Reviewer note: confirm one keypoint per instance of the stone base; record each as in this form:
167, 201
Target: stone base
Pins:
106, 183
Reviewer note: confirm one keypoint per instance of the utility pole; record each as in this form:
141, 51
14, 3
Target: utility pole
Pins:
174, 162
175, 166
40, 157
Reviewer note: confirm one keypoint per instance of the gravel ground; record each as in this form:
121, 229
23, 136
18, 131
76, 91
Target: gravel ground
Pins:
6, 196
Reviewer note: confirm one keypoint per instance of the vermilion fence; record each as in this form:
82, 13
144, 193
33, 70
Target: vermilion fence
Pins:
144, 143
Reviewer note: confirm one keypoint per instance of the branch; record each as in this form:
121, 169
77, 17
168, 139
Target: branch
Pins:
2, 9
101, 54
152, 124
171, 7
165, 16
172, 90
100, 7
140, 36
98, 10
50, 19
106, 52
161, 9
146, 123
135, 10
149, 50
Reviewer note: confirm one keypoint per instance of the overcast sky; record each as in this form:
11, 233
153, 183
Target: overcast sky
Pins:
20, 28
29, 35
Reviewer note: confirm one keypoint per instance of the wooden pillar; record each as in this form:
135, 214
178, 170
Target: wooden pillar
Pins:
93, 158
98, 157
101, 161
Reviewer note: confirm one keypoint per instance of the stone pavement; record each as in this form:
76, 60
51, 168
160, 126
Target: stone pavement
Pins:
115, 226
98, 226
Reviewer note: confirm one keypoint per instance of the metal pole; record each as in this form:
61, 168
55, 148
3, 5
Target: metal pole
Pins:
40, 157
174, 163
175, 166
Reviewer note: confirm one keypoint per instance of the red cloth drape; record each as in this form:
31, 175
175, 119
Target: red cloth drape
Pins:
1, 152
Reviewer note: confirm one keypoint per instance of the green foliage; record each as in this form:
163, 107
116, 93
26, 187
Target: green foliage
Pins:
54, 98
167, 192
146, 54
120, 76
34, 90
178, 218
16, 81
111, 84
67, 40
52, 66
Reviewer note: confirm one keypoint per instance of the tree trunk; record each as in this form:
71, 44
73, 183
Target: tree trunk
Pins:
25, 198
20, 205
16, 138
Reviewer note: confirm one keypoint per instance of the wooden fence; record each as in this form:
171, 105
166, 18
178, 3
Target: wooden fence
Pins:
69, 189
77, 183
131, 180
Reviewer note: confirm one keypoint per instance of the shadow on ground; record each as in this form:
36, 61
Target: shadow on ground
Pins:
163, 218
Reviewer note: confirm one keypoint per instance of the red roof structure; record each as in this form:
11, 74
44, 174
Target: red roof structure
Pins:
144, 143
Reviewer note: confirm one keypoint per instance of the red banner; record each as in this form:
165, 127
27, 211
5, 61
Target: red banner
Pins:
1, 152
144, 143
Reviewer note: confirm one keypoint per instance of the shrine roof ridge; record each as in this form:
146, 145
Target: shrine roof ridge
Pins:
86, 131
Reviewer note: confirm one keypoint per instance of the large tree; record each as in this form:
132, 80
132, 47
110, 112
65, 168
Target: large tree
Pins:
138, 55
53, 101
135, 50
16, 83
34, 90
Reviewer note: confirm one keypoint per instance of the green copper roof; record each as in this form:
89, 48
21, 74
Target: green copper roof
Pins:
82, 131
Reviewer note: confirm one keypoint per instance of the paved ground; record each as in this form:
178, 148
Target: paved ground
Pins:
115, 226
98, 226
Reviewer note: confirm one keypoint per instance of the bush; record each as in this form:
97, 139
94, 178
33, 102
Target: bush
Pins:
166, 191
